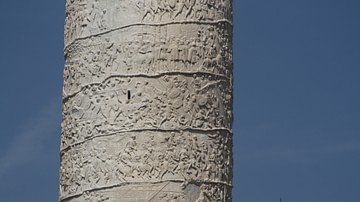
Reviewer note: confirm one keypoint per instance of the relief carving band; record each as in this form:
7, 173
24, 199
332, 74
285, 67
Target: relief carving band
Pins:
151, 156
147, 101
90, 17
165, 103
150, 51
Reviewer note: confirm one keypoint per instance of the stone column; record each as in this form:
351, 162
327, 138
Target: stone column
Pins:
147, 101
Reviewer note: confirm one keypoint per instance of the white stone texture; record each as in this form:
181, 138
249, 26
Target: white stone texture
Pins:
147, 103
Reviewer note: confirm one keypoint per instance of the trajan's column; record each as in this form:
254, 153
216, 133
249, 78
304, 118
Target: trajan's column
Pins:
147, 101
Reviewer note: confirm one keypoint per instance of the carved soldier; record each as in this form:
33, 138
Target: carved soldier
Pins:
131, 146
191, 4
180, 6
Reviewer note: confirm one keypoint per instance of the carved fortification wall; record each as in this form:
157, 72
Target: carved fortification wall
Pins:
147, 103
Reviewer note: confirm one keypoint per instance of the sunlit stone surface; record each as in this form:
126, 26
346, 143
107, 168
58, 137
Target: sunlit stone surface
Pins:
147, 103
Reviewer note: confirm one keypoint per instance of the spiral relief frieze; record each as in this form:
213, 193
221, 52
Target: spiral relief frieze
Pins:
147, 101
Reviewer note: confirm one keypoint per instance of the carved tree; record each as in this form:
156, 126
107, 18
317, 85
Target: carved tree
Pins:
147, 101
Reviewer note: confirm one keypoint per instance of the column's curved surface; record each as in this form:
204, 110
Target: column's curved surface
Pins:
147, 101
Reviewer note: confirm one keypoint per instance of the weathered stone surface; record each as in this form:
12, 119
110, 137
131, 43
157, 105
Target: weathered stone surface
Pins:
147, 157
150, 51
147, 103
86, 18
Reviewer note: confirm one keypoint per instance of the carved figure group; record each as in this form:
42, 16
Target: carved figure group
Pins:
208, 51
157, 156
162, 10
75, 19
173, 102
85, 18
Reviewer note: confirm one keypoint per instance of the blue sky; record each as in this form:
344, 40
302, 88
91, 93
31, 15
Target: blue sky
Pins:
296, 74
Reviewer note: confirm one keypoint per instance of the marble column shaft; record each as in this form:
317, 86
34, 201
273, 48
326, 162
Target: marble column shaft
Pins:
147, 101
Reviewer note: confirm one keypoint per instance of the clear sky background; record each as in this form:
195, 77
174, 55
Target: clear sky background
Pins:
297, 95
